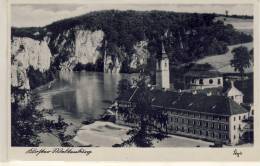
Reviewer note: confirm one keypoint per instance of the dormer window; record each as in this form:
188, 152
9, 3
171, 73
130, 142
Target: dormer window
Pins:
219, 81
211, 81
201, 81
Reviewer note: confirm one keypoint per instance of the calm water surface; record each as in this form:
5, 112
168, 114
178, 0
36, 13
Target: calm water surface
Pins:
78, 96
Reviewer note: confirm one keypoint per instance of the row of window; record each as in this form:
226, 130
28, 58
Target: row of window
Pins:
200, 123
211, 81
202, 133
201, 116
240, 117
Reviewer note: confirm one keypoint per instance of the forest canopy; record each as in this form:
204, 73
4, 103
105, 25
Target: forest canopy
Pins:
187, 36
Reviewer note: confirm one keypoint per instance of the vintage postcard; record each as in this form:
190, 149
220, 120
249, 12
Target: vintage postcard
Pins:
133, 80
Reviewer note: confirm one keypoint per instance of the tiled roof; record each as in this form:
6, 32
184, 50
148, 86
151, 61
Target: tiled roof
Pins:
203, 74
202, 70
191, 102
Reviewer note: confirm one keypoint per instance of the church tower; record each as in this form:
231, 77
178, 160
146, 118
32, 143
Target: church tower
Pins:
162, 71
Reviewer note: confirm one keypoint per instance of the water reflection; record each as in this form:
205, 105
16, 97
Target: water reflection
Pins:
82, 95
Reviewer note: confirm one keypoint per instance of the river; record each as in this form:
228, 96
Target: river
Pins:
79, 96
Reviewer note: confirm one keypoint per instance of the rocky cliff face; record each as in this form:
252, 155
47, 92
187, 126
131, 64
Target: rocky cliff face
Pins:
87, 46
77, 46
25, 53
67, 49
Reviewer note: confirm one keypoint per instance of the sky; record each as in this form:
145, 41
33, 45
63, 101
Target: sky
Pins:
36, 15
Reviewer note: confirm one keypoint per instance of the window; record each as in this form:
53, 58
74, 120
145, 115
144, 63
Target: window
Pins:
239, 117
234, 118
198, 123
210, 81
165, 64
244, 117
234, 136
219, 81
225, 136
234, 127
225, 127
201, 81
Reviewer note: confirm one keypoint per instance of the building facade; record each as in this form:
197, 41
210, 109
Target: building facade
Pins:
203, 83
212, 118
203, 79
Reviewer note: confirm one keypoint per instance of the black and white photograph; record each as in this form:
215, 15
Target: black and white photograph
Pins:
132, 75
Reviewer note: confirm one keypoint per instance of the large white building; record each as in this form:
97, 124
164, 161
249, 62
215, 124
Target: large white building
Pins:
211, 118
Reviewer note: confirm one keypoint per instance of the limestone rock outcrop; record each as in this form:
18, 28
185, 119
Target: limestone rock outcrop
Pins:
26, 52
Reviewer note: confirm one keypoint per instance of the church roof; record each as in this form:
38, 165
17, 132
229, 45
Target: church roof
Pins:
219, 105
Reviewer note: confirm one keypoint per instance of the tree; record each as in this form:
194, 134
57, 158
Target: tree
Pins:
241, 60
27, 122
23, 119
147, 119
